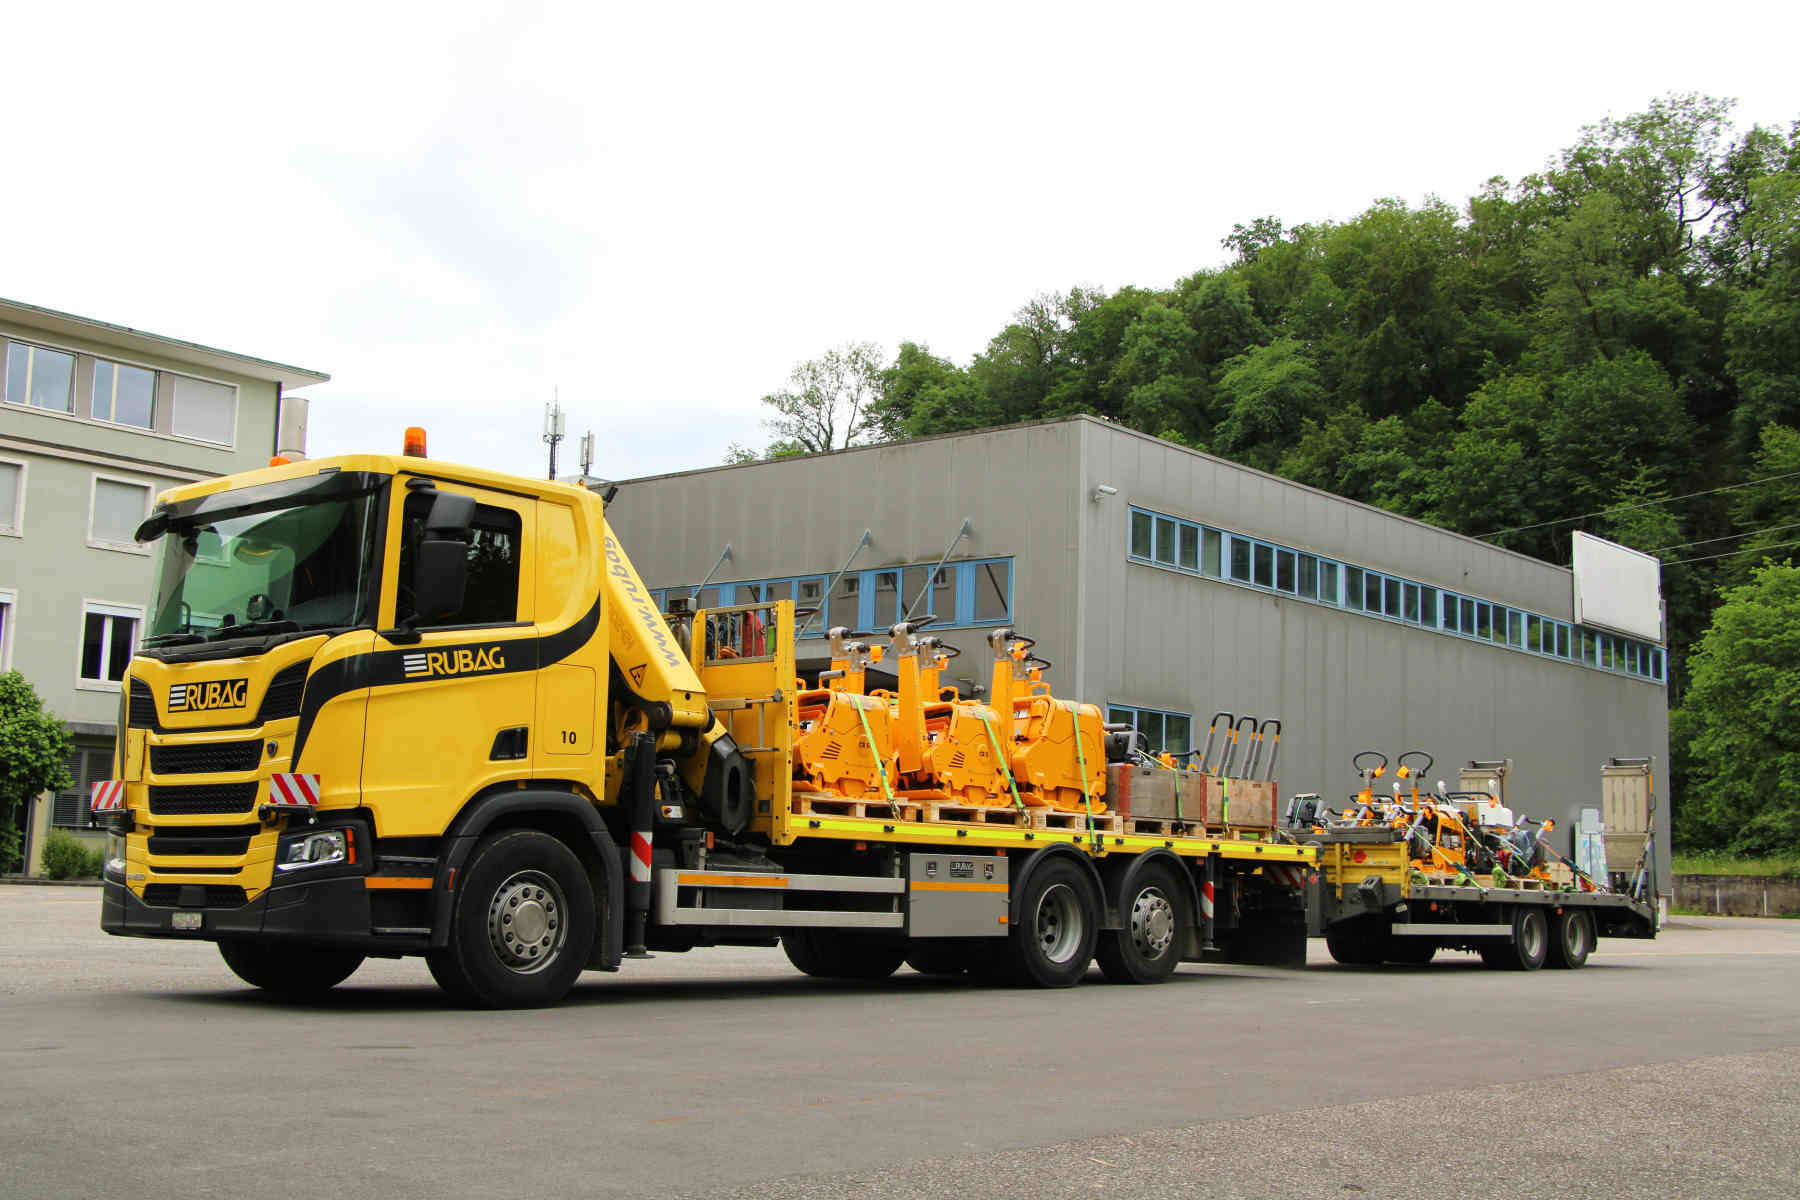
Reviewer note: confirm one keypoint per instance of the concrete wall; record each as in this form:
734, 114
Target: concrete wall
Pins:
1738, 895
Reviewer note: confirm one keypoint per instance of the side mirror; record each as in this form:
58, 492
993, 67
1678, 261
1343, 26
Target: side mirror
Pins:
441, 570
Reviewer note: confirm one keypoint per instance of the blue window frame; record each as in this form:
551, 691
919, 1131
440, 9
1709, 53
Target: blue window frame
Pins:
1161, 730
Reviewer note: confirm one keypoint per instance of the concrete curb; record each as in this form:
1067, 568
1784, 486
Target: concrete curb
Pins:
32, 881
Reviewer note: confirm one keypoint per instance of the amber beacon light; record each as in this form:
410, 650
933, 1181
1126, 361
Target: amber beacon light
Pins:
415, 442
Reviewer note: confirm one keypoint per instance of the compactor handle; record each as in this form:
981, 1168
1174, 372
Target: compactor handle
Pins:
1356, 762
1424, 770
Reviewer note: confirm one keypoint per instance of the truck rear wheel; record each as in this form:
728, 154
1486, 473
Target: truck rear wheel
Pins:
522, 924
1053, 941
298, 972
1530, 940
1571, 939
842, 954
1148, 949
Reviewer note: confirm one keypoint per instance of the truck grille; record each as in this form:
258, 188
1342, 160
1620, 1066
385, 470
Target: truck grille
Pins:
206, 798
193, 895
203, 839
206, 759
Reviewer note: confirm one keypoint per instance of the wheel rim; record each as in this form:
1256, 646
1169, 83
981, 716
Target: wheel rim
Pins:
525, 922
1152, 922
1575, 935
1531, 936
1059, 923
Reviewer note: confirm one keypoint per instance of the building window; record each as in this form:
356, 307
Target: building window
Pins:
1141, 525
8, 602
206, 412
12, 496
117, 508
39, 377
993, 590
71, 807
109, 634
1209, 555
124, 395
1158, 732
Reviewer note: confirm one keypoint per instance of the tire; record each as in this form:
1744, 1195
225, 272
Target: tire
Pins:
1571, 939
1358, 942
1411, 951
1148, 949
1053, 940
297, 972
1530, 941
842, 954
522, 924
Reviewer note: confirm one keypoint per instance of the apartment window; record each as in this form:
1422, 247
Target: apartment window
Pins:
1284, 571
993, 590
1354, 592
8, 601
1428, 607
1265, 565
12, 496
1190, 547
1309, 577
87, 766
1562, 641
1158, 731
39, 377
206, 412
1165, 541
123, 394
1240, 560
109, 634
1210, 560
117, 508
1328, 582
1141, 525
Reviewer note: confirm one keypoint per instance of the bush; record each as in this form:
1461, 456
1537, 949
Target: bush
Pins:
66, 858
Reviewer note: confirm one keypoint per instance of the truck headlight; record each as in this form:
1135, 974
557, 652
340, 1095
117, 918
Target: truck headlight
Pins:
114, 867
317, 849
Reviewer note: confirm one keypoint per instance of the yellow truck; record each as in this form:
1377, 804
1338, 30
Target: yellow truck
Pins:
393, 706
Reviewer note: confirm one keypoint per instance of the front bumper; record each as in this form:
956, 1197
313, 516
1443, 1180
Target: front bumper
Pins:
333, 912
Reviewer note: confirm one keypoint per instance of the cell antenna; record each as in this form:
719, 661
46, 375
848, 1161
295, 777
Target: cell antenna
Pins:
553, 430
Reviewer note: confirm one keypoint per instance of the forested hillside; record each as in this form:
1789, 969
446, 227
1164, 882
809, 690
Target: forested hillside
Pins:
1611, 344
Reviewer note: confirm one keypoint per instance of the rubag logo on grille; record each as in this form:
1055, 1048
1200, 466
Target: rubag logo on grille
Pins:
426, 664
203, 697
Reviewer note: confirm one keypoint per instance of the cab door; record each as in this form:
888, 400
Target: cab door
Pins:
451, 706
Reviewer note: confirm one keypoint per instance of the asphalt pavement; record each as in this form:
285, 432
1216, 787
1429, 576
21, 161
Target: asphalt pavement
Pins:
145, 1069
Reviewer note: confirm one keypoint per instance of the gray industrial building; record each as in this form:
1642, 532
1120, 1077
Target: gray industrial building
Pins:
1167, 585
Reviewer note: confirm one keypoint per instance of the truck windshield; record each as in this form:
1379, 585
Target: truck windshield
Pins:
281, 568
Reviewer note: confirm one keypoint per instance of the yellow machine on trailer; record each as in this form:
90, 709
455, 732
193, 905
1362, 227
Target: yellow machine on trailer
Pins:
392, 706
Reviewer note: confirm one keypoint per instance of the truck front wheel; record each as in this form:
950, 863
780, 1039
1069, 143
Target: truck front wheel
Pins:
522, 924
298, 972
1053, 942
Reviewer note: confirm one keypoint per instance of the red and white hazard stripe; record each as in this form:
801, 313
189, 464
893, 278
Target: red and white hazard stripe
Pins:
107, 795
1286, 875
640, 857
1206, 900
290, 790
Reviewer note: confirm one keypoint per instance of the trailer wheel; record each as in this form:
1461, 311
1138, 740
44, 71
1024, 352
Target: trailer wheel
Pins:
1571, 939
1530, 940
1053, 941
297, 972
842, 954
1358, 942
1148, 949
521, 925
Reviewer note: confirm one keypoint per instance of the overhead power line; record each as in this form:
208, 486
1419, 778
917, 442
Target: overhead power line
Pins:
1729, 537
1734, 553
1730, 487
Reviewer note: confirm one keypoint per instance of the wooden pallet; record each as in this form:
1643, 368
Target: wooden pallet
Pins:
1075, 821
815, 804
974, 814
1164, 827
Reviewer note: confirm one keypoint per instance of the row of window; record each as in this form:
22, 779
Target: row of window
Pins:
1158, 731
959, 593
1219, 554
117, 393
116, 507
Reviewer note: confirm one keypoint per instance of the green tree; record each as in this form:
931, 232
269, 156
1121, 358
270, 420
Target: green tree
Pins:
1269, 393
34, 748
1740, 721
825, 405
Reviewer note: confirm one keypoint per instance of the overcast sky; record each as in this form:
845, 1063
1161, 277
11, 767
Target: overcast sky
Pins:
454, 209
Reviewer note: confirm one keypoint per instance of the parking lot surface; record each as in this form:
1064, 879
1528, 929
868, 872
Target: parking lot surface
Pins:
144, 1068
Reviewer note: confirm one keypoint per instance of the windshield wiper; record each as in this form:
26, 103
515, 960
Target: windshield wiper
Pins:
173, 639
253, 629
